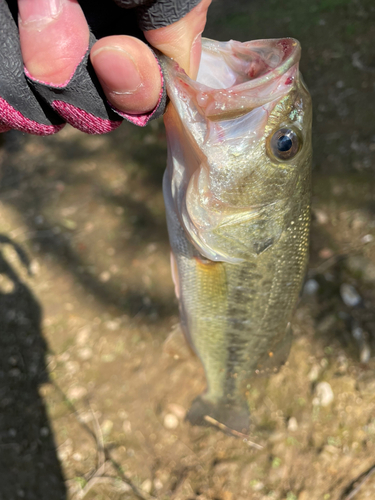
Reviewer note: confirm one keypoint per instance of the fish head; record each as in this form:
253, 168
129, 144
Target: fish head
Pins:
239, 145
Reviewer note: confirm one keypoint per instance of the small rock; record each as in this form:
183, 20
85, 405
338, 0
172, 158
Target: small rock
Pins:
367, 238
292, 424
34, 267
71, 367
85, 353
365, 353
321, 217
77, 392
349, 295
314, 373
83, 335
147, 486
105, 276
324, 394
112, 325
7, 286
170, 421
158, 484
311, 287
107, 426
325, 253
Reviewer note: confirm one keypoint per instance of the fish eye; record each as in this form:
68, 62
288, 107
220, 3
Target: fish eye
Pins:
285, 144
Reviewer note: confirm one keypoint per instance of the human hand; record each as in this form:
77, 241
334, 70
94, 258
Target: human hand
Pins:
55, 37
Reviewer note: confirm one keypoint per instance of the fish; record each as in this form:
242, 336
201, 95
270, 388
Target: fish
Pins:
237, 192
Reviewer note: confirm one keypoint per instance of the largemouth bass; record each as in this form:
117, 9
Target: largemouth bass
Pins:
237, 195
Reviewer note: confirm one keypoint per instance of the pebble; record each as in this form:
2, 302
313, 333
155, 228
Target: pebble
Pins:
367, 238
85, 353
147, 486
34, 267
349, 295
170, 421
321, 217
105, 276
325, 253
107, 426
158, 484
77, 456
365, 353
311, 287
324, 394
112, 325
83, 335
77, 392
7, 286
292, 424
314, 373
71, 367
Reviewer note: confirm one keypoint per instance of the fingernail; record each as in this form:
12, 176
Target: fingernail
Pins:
116, 70
39, 12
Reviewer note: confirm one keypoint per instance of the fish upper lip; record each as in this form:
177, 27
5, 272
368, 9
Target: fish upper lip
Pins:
277, 59
289, 48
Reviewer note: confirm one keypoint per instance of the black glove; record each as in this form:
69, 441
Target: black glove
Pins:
38, 108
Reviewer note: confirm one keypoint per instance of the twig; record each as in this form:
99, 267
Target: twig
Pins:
360, 484
99, 438
235, 433
95, 479
142, 495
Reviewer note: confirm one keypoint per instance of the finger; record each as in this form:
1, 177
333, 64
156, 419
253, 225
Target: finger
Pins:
128, 73
181, 40
54, 37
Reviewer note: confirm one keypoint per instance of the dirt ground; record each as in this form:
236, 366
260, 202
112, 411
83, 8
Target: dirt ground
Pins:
91, 406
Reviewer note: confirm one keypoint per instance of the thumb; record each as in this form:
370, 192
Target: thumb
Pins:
181, 41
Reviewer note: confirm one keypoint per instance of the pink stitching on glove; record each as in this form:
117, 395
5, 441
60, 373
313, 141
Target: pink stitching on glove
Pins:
13, 119
84, 121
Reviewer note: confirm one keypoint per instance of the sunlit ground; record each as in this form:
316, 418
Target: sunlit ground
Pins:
90, 404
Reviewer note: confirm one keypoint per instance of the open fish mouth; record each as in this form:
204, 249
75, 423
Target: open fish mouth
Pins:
236, 77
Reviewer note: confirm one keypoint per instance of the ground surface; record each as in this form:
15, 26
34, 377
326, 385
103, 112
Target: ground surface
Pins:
91, 406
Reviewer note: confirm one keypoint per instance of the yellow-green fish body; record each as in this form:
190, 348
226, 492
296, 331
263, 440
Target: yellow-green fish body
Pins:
237, 193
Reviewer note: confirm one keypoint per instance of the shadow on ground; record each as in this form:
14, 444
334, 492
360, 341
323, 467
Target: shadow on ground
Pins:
29, 467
